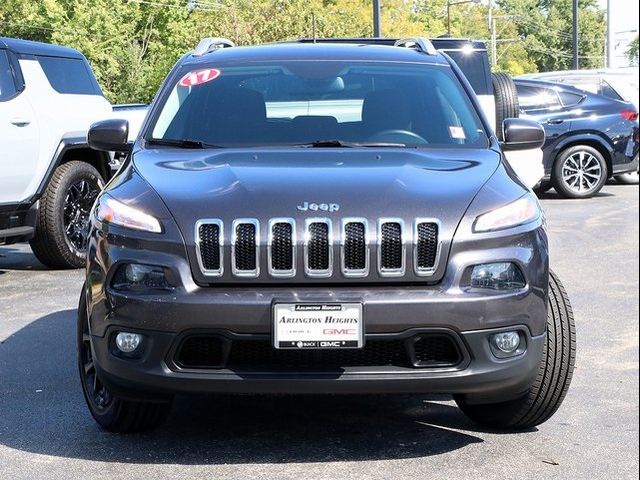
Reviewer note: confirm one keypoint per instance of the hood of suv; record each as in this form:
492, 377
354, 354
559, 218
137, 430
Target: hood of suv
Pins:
301, 184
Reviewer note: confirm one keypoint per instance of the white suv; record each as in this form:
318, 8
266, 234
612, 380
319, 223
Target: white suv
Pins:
50, 177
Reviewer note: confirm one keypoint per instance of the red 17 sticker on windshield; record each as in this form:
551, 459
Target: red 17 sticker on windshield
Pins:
198, 77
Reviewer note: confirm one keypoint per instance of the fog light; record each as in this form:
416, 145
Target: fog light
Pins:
506, 342
136, 276
127, 342
497, 276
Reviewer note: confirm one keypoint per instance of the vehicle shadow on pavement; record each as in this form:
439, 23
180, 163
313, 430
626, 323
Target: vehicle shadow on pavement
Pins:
42, 411
18, 258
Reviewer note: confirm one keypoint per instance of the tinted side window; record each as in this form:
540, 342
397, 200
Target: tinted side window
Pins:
569, 99
68, 75
7, 83
535, 98
474, 66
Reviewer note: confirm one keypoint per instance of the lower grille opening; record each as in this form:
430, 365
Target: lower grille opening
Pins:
435, 350
214, 352
201, 351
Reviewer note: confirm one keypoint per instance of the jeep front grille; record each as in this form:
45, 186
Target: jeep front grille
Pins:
317, 244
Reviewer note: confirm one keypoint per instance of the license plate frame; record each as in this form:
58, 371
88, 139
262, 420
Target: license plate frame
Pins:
328, 325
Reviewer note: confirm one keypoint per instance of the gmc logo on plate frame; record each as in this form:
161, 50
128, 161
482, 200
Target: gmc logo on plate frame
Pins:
338, 331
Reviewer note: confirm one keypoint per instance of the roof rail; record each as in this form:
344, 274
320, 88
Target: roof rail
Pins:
419, 43
211, 44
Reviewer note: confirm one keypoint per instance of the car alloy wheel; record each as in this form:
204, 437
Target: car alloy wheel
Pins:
581, 172
78, 201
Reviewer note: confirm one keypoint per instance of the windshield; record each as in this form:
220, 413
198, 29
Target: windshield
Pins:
328, 104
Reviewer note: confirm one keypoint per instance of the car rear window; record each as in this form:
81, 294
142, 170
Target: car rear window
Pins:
69, 75
301, 102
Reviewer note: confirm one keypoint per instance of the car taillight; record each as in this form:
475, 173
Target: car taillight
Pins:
630, 115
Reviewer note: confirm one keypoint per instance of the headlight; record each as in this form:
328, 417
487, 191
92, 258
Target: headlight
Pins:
497, 276
524, 210
110, 210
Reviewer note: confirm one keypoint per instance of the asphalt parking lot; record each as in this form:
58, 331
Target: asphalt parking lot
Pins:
46, 431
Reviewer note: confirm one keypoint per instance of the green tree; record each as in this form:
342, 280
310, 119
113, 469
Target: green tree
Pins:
632, 52
545, 29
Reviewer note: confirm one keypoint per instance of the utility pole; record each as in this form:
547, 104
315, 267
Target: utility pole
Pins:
576, 62
609, 36
494, 43
376, 19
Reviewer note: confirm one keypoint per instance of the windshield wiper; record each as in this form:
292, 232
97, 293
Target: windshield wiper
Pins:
344, 144
181, 143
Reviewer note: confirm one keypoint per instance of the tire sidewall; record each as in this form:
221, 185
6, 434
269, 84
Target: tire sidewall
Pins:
77, 171
107, 416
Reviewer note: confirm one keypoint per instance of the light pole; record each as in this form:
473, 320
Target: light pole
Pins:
376, 18
453, 4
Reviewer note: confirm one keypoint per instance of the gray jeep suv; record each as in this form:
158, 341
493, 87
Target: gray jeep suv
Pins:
320, 218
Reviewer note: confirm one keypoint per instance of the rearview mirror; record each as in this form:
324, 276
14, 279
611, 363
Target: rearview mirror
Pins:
110, 136
522, 134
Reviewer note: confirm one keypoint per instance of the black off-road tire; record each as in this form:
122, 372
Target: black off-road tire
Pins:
115, 415
554, 375
506, 99
50, 243
561, 185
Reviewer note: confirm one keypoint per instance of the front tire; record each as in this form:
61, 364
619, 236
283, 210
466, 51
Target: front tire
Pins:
110, 412
579, 172
62, 229
554, 375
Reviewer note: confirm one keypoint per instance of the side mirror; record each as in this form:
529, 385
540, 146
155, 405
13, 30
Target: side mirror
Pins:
522, 134
110, 136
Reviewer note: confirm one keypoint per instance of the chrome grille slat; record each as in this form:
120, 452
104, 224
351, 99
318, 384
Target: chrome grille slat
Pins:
391, 247
209, 236
317, 241
426, 246
245, 247
318, 247
282, 247
355, 247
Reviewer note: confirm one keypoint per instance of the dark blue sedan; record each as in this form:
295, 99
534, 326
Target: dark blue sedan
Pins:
589, 137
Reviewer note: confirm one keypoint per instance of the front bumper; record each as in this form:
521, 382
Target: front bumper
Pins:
480, 377
392, 312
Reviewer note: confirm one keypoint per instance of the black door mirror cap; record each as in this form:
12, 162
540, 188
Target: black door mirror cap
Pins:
110, 135
522, 134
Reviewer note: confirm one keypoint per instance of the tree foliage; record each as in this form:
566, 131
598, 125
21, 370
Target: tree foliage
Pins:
632, 52
132, 44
